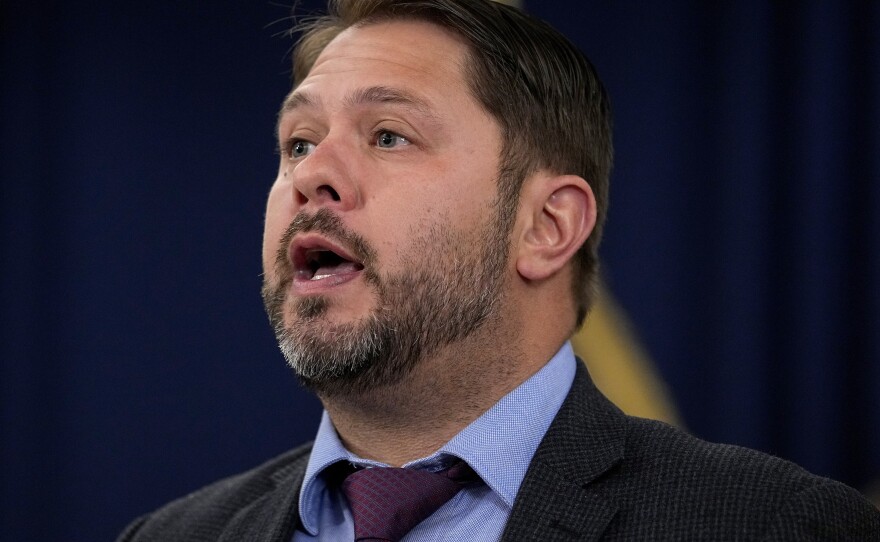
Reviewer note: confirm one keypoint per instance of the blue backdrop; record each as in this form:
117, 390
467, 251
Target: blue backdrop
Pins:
137, 149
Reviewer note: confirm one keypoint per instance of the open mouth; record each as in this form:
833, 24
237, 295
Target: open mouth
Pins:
316, 259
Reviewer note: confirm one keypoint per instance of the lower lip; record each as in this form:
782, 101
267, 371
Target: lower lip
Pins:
323, 285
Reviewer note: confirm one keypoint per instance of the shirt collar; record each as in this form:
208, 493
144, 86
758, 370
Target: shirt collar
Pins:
498, 445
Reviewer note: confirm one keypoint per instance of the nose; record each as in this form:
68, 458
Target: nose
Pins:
323, 179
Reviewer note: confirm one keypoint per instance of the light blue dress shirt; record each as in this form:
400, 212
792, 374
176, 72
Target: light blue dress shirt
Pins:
498, 445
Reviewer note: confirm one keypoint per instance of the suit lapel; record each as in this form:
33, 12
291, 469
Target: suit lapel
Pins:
273, 516
556, 501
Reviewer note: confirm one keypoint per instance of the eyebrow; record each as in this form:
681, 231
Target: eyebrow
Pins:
298, 100
365, 96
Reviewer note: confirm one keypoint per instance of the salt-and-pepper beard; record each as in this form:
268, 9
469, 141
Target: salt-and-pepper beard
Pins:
451, 284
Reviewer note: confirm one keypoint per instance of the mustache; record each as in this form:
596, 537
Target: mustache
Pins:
330, 225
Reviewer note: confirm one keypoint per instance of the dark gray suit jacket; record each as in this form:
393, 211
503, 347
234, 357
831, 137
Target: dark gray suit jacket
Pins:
597, 475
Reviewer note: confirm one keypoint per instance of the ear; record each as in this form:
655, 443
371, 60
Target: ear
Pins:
559, 213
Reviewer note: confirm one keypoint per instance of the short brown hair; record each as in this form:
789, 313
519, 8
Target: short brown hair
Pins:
551, 106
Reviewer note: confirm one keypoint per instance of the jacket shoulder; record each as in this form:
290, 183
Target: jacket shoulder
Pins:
635, 479
669, 477
265, 494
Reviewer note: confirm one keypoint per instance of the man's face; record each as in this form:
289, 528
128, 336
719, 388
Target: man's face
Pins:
383, 237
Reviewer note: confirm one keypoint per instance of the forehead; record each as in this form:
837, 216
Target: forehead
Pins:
415, 56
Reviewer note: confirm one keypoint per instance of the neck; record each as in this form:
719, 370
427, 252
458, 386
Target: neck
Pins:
444, 394
450, 389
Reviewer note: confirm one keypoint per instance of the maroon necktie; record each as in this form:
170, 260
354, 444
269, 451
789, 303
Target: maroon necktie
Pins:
388, 502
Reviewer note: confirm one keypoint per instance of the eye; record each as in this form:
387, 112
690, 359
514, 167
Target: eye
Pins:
298, 148
389, 140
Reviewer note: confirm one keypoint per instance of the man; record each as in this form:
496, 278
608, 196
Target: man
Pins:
430, 245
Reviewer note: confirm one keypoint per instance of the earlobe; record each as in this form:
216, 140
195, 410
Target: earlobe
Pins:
561, 215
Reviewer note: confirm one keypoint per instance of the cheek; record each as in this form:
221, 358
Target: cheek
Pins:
278, 218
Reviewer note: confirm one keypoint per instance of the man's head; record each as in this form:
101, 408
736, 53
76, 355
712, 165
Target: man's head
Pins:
390, 227
546, 96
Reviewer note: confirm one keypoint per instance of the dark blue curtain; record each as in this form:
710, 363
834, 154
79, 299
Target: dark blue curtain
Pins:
137, 149
744, 231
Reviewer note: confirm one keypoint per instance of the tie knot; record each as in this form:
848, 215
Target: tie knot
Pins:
388, 502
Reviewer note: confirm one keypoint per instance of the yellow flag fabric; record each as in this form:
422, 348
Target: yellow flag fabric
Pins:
619, 365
